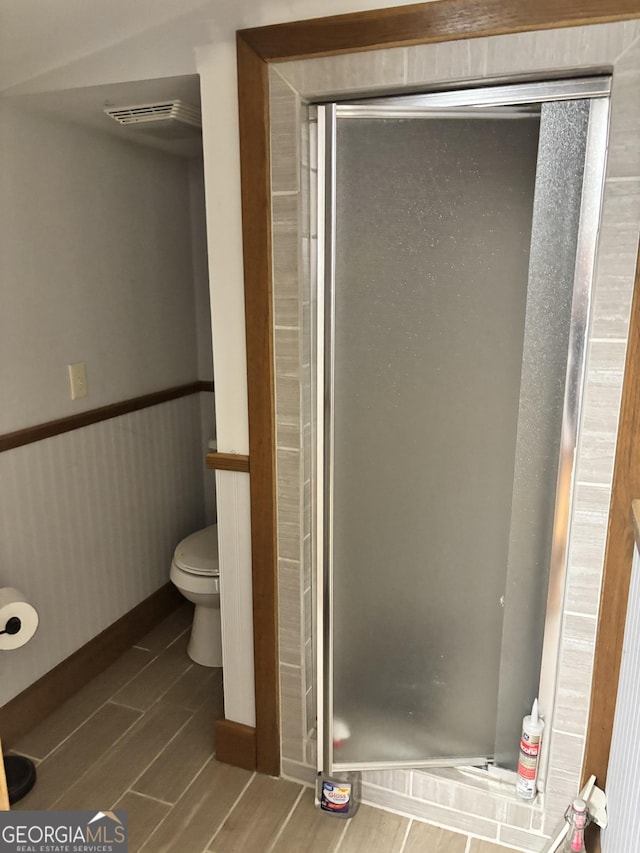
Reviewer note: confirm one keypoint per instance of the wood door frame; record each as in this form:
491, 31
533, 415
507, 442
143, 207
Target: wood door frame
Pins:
402, 26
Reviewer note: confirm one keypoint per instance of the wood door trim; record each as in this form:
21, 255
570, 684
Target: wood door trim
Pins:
424, 23
618, 560
29, 435
235, 744
227, 462
440, 21
253, 93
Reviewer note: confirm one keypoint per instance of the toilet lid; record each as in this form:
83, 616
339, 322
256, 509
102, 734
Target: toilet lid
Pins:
198, 553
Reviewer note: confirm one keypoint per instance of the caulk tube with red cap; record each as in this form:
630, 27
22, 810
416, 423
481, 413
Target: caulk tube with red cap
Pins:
529, 758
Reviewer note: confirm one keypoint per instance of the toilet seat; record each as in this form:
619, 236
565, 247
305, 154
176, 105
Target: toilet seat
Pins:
198, 553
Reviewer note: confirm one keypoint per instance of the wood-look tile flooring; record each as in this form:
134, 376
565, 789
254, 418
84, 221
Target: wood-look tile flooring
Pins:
139, 737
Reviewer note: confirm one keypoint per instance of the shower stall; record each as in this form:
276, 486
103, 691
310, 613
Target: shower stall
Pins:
457, 235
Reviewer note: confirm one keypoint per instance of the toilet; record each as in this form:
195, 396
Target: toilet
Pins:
195, 572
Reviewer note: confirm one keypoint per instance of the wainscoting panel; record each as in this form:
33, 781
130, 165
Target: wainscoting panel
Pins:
88, 524
623, 785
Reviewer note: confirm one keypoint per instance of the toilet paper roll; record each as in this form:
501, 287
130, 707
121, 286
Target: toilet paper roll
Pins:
18, 619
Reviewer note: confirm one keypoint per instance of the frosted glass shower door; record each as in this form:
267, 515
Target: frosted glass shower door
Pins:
428, 318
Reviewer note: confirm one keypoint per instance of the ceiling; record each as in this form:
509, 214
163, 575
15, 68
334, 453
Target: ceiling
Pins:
39, 35
85, 106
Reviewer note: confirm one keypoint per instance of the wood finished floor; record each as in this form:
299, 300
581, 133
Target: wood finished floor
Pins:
139, 737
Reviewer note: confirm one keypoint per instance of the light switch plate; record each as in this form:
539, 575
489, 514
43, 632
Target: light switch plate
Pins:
78, 380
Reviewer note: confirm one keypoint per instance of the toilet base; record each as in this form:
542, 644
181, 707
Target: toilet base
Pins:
205, 644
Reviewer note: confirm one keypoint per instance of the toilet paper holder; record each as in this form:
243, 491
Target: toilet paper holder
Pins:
13, 626
18, 619
20, 771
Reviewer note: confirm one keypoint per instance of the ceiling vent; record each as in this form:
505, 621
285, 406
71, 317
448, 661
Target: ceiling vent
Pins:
164, 119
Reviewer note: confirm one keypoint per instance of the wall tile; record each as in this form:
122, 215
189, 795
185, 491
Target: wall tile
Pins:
621, 209
286, 262
427, 786
563, 778
448, 818
537, 820
292, 712
616, 259
491, 806
308, 356
287, 309
298, 771
290, 622
612, 302
311, 750
587, 540
284, 108
624, 146
526, 840
566, 756
393, 780
455, 60
287, 352
346, 74
487, 797
555, 808
307, 607
574, 675
288, 405
307, 562
288, 433
290, 488
309, 664
306, 507
310, 710
284, 211
601, 406
308, 193
545, 51
311, 707
289, 541
307, 456
307, 141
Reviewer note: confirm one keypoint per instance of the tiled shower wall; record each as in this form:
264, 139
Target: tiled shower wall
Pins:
451, 797
88, 523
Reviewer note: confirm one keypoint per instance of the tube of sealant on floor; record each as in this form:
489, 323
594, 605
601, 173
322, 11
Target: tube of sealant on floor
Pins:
529, 757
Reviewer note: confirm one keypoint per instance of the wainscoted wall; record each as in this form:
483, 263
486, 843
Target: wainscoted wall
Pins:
103, 259
88, 524
451, 797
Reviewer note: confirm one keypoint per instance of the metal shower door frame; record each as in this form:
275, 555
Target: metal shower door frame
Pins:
597, 89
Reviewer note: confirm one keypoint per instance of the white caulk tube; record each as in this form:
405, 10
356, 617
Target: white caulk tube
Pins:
529, 757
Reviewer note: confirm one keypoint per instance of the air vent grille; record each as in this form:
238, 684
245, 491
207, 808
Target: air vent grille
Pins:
163, 118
